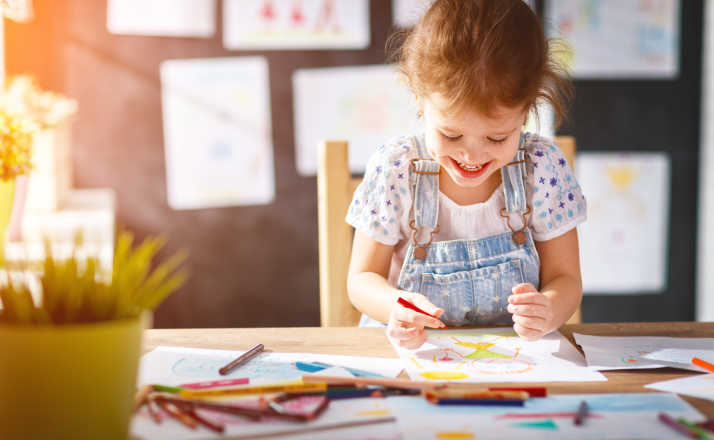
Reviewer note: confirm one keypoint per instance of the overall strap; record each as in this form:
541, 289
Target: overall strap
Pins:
513, 175
426, 188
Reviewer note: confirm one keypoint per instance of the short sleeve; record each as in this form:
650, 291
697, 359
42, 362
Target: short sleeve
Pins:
557, 200
383, 199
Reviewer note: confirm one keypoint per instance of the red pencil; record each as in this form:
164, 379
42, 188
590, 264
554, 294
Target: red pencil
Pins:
411, 306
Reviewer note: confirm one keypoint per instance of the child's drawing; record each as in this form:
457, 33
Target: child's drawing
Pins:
494, 355
295, 24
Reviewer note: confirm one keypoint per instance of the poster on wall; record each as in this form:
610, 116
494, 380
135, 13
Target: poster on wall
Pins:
365, 105
170, 18
624, 242
617, 38
217, 132
406, 13
297, 24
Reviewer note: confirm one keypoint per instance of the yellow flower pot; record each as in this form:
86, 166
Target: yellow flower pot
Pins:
7, 192
70, 381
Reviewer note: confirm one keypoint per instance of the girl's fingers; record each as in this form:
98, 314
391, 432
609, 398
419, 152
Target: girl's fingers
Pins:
528, 298
534, 310
413, 343
401, 333
523, 288
415, 319
526, 333
532, 323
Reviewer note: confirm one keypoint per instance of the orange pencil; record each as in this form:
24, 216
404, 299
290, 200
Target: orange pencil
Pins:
704, 364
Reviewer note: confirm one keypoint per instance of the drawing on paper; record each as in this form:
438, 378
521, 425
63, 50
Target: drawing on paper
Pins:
303, 24
199, 368
494, 355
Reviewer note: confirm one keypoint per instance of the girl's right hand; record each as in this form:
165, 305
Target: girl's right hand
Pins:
406, 326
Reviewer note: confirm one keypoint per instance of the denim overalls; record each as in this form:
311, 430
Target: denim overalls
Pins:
470, 280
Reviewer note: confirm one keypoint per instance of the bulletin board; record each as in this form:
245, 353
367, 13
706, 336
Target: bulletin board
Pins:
256, 266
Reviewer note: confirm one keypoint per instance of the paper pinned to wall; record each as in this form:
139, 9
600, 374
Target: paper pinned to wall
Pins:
406, 13
171, 18
700, 385
626, 352
624, 242
365, 105
618, 38
217, 132
298, 24
609, 416
495, 355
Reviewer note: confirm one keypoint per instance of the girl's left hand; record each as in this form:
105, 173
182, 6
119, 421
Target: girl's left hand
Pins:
532, 312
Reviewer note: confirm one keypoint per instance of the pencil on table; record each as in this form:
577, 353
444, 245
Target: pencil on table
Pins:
174, 411
242, 359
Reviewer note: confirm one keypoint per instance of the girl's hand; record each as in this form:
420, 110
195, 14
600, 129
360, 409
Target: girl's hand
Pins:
532, 312
406, 326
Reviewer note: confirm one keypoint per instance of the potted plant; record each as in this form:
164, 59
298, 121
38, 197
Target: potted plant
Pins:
15, 156
69, 360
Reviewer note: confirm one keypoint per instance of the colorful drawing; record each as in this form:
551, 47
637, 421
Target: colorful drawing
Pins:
494, 355
295, 24
613, 38
625, 236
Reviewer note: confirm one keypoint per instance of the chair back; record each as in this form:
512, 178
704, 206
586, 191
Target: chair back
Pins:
335, 187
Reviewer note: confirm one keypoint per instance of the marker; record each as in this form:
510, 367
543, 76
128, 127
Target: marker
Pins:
704, 364
580, 415
411, 306
215, 383
669, 421
240, 360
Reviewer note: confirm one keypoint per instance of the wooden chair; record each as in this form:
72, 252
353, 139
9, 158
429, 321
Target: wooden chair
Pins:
335, 187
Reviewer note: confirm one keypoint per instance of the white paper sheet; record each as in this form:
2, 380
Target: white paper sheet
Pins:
700, 385
609, 416
681, 358
495, 355
178, 365
217, 132
173, 18
297, 24
339, 413
365, 105
618, 38
626, 352
624, 242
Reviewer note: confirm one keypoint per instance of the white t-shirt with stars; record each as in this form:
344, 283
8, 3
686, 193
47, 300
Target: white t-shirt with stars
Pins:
381, 205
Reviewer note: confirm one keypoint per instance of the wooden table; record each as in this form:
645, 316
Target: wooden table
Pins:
373, 342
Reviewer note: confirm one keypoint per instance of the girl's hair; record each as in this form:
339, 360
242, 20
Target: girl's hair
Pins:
482, 54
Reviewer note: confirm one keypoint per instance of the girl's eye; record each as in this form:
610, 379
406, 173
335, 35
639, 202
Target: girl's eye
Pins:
451, 138
497, 141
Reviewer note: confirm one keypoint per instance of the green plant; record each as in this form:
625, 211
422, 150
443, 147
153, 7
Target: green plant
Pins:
73, 291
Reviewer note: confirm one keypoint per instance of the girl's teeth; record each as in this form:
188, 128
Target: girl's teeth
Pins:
470, 167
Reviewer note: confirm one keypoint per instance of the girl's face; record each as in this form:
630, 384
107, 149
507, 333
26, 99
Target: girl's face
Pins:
469, 146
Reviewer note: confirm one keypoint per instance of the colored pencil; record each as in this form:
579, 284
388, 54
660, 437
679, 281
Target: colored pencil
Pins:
242, 359
166, 388
141, 396
581, 413
208, 384
701, 433
364, 381
153, 409
210, 424
702, 363
411, 306
174, 411
287, 387
672, 423
532, 391
481, 402
455, 393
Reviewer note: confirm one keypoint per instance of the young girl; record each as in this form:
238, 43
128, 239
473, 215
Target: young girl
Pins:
472, 221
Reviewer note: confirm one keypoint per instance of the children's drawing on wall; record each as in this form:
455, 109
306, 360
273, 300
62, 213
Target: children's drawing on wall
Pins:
171, 18
295, 24
406, 13
364, 105
624, 242
494, 355
217, 132
618, 38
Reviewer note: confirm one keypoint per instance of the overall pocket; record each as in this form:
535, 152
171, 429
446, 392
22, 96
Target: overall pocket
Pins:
491, 288
452, 292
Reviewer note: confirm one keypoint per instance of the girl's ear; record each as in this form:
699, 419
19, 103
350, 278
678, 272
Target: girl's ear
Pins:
419, 105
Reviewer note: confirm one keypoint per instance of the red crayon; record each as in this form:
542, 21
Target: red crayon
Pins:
411, 306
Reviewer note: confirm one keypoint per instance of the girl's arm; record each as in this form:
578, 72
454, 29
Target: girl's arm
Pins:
538, 313
371, 294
